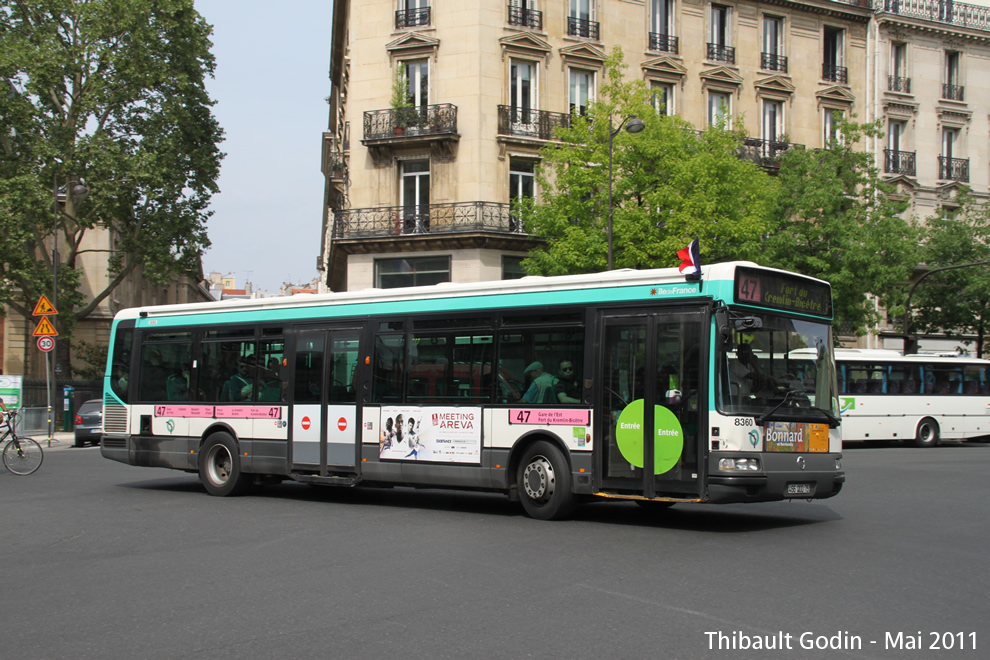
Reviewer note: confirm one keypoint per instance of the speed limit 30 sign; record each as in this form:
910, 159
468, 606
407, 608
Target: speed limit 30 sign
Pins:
46, 343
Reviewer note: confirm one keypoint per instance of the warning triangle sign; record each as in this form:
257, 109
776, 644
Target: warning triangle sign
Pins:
44, 308
45, 328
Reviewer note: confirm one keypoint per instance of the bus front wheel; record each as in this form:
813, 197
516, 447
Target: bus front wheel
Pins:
927, 435
220, 466
544, 481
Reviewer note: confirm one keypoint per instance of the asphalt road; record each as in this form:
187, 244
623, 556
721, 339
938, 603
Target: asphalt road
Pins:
103, 560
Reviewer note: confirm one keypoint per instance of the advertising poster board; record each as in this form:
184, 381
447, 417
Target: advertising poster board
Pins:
437, 434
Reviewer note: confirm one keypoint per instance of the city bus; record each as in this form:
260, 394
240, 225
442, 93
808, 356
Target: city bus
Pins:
551, 390
917, 399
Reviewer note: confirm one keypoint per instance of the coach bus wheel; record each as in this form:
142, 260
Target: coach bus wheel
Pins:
220, 466
927, 435
544, 481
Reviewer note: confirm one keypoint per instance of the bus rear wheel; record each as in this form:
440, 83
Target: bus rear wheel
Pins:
220, 466
544, 482
927, 435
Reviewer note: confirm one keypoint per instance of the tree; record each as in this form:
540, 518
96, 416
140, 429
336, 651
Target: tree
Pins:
836, 219
955, 302
109, 93
670, 184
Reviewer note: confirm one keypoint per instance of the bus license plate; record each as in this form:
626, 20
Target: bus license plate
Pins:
799, 489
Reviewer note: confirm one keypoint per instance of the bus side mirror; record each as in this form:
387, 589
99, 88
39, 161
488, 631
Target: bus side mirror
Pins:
724, 328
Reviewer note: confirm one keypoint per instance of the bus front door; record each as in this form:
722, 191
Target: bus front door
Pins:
324, 413
652, 386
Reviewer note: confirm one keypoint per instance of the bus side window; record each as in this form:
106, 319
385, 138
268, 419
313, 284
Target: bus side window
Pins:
389, 365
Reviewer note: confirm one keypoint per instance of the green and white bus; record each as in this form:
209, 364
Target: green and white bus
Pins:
541, 388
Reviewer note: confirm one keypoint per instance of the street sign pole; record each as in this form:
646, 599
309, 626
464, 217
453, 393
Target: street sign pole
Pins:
48, 389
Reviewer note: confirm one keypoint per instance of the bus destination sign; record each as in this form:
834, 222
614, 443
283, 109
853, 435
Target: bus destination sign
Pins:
783, 291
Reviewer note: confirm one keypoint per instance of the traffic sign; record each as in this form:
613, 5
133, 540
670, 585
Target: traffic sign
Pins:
45, 328
44, 308
46, 343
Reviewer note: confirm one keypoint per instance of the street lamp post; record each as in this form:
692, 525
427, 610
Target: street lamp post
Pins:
633, 124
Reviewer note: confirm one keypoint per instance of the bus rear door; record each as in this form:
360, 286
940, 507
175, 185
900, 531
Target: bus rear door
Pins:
324, 416
652, 378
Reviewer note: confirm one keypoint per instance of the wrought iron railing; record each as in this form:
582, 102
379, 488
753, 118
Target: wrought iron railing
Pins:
524, 17
953, 92
440, 119
538, 124
773, 62
721, 53
898, 84
663, 42
899, 162
407, 18
941, 11
766, 153
462, 217
953, 169
582, 27
835, 73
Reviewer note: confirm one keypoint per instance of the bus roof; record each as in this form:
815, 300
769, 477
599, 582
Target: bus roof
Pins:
674, 282
888, 355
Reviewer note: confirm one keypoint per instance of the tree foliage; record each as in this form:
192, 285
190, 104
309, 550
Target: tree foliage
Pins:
836, 219
109, 93
955, 302
670, 184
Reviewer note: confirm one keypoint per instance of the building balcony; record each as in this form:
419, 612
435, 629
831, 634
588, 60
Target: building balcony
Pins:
953, 92
953, 169
721, 53
407, 18
432, 219
523, 17
835, 73
773, 62
532, 124
898, 84
940, 11
582, 27
765, 153
434, 125
666, 43
899, 162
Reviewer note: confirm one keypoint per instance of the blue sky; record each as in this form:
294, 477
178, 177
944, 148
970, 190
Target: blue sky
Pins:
270, 84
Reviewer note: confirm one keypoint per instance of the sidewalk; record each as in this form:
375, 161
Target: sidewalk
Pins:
60, 440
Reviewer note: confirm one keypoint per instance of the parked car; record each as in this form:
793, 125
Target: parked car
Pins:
89, 423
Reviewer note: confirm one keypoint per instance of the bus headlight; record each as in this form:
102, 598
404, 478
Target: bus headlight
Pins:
744, 464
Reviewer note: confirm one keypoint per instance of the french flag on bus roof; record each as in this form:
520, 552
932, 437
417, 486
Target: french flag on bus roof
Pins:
691, 260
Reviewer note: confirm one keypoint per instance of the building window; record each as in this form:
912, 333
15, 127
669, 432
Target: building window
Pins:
522, 179
833, 56
582, 90
719, 38
418, 78
951, 89
772, 124
414, 190
662, 97
512, 268
411, 271
581, 19
525, 14
898, 80
414, 13
896, 160
662, 26
522, 87
720, 109
772, 58
830, 126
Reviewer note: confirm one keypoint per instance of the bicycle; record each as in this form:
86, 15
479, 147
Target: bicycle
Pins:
20, 455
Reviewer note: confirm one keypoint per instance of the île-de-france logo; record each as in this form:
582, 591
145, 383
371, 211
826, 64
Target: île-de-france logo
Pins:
170, 425
754, 437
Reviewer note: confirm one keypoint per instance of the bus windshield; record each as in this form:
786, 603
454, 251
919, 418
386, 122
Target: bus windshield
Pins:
778, 368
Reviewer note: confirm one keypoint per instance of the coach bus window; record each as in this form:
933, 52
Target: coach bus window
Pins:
529, 356
269, 371
389, 367
166, 367
450, 368
975, 380
309, 367
228, 371
121, 364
